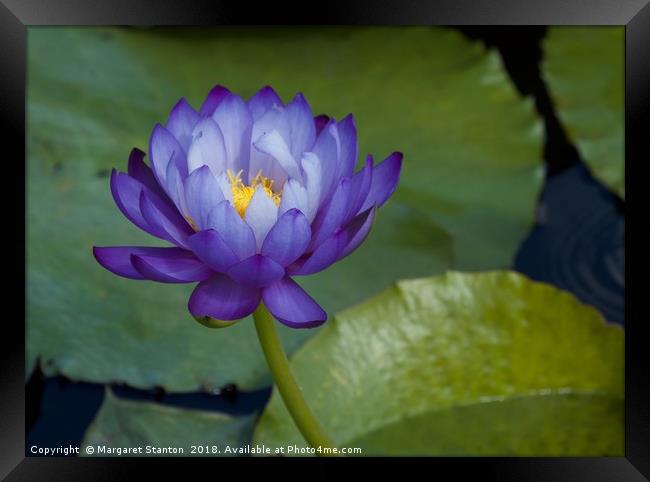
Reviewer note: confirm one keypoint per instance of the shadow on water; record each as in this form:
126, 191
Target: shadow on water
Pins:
59, 410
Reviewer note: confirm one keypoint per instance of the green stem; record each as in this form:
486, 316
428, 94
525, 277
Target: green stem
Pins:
286, 383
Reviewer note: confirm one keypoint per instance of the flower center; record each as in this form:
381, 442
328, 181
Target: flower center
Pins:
242, 193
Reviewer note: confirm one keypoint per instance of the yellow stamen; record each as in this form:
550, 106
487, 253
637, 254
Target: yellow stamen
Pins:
242, 193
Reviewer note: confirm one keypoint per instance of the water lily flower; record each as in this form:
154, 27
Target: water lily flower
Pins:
250, 195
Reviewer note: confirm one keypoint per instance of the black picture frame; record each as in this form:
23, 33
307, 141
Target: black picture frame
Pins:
16, 15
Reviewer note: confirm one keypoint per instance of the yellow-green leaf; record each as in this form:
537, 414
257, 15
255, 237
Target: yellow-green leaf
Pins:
462, 364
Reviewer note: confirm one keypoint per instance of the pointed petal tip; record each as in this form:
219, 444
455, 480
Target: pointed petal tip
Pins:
214, 97
136, 152
110, 259
395, 159
229, 96
293, 212
349, 118
265, 97
267, 89
97, 253
181, 102
204, 170
300, 98
385, 179
218, 88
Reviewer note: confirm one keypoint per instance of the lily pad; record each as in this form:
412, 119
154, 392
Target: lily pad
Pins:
470, 178
462, 364
585, 71
157, 430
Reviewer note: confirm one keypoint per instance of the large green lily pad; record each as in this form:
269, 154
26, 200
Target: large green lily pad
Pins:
470, 178
158, 430
462, 364
585, 71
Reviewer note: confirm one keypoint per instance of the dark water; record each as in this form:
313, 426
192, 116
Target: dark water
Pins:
59, 411
577, 244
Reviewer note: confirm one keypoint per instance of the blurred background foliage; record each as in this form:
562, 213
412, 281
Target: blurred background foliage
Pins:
471, 176
585, 70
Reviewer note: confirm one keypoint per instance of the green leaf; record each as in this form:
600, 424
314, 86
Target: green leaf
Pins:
167, 431
462, 364
584, 68
471, 174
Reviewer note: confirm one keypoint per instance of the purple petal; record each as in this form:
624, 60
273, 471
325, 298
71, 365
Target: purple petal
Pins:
126, 193
327, 149
291, 305
274, 119
168, 223
223, 299
202, 194
303, 129
332, 215
261, 215
273, 144
265, 99
208, 147
294, 196
349, 145
235, 122
322, 257
163, 149
176, 189
361, 182
182, 120
385, 177
288, 239
320, 122
139, 171
183, 269
336, 247
225, 186
232, 229
212, 101
357, 230
257, 271
117, 259
312, 169
210, 248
